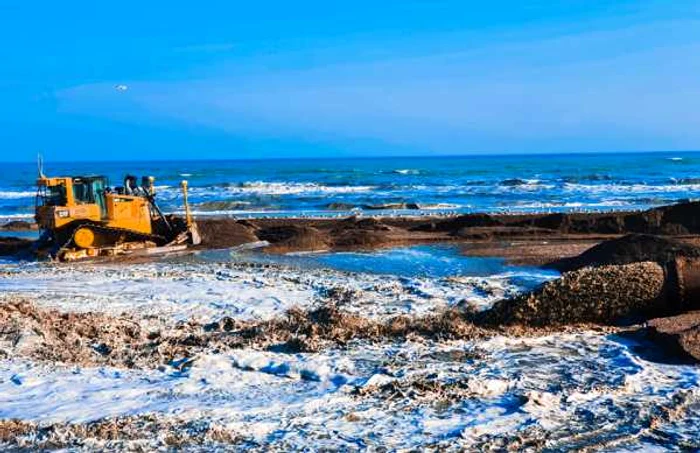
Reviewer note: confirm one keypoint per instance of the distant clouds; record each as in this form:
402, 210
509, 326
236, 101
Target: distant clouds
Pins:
626, 89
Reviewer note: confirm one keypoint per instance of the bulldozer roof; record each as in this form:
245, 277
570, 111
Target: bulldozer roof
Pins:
89, 177
84, 177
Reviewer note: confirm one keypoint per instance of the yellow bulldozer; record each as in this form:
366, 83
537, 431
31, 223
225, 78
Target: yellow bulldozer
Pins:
82, 217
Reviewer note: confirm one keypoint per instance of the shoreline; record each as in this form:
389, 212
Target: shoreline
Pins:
524, 239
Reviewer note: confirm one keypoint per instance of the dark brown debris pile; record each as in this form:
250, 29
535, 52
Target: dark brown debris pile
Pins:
13, 246
360, 233
224, 233
680, 335
90, 339
132, 433
96, 339
300, 234
677, 219
621, 281
628, 249
294, 237
84, 338
19, 225
457, 223
302, 331
604, 295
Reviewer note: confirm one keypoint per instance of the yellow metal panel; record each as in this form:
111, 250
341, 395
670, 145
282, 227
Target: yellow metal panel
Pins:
128, 212
57, 216
67, 182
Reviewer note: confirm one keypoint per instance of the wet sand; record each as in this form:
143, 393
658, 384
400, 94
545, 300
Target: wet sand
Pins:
522, 239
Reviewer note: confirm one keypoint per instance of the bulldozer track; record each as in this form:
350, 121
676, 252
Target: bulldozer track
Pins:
130, 235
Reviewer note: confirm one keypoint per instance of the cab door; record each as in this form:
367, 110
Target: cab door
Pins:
98, 192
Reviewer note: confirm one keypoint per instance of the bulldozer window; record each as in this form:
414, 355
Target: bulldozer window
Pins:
55, 195
82, 192
98, 193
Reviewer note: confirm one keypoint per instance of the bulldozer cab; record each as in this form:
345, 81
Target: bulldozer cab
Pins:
62, 200
69, 192
91, 190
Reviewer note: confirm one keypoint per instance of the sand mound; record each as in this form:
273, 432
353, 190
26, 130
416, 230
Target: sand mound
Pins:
365, 224
578, 223
496, 232
223, 233
676, 219
679, 335
12, 246
294, 237
604, 295
628, 249
360, 239
680, 218
360, 233
18, 225
457, 223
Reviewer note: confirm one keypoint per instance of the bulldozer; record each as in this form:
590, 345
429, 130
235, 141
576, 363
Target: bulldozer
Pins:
82, 217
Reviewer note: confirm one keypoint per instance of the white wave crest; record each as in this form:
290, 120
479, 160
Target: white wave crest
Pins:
407, 171
287, 188
437, 206
573, 204
630, 188
16, 216
12, 195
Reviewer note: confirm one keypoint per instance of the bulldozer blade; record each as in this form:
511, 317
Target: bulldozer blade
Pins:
195, 238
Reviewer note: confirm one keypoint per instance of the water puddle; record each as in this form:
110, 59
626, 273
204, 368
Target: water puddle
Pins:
33, 234
424, 261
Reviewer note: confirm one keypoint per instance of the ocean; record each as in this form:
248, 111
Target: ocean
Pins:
391, 186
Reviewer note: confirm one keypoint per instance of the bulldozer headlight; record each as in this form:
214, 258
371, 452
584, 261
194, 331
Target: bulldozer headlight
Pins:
62, 213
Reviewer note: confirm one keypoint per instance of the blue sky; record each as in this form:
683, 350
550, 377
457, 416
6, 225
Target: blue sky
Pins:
140, 80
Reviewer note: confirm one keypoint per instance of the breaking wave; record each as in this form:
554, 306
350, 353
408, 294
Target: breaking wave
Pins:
13, 195
290, 188
407, 171
16, 216
631, 188
571, 205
